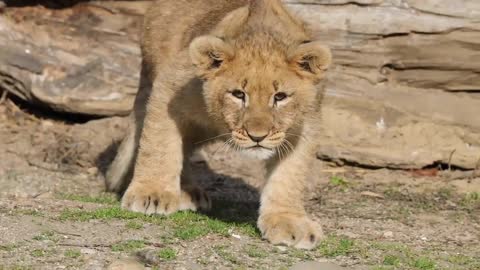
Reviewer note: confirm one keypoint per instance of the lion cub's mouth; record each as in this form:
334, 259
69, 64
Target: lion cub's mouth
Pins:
258, 146
258, 152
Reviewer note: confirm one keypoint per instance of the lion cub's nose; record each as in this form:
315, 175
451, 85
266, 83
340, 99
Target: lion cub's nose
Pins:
257, 138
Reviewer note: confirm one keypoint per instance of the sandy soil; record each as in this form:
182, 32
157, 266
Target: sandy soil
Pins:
54, 213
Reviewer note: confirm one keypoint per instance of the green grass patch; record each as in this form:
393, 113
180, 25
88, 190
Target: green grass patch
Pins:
47, 235
128, 246
392, 260
300, 253
334, 246
28, 212
255, 252
186, 225
72, 253
132, 224
167, 254
8, 247
471, 200
462, 260
424, 263
39, 253
390, 246
114, 212
338, 181
191, 225
401, 256
101, 199
445, 193
190, 233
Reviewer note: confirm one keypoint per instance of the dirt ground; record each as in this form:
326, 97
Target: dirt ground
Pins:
54, 213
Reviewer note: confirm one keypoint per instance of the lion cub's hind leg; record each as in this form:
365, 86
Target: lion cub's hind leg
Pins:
120, 170
193, 196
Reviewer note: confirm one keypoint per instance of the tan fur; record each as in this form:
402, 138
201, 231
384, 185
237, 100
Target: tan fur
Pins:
244, 71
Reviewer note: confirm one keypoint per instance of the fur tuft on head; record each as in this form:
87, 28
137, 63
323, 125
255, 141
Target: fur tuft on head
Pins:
272, 13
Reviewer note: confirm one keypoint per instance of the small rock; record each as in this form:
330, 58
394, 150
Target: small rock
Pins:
388, 234
451, 204
88, 251
47, 124
44, 195
236, 236
92, 171
372, 195
126, 264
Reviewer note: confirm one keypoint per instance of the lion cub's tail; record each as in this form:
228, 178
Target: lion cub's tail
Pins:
120, 172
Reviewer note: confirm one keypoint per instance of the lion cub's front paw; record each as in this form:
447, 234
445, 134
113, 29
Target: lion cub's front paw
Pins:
154, 201
150, 200
290, 229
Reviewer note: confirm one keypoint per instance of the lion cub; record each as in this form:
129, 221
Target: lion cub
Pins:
240, 71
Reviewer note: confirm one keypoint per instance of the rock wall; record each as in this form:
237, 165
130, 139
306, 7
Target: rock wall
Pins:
404, 91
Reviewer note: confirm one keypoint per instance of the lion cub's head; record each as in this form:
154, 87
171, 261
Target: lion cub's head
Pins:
260, 76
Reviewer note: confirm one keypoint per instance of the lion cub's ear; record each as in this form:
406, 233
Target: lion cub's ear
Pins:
310, 60
208, 53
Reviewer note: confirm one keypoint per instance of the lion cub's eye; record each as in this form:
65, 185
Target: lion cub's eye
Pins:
280, 96
238, 94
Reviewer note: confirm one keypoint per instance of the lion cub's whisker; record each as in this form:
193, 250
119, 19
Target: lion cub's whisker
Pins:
287, 151
227, 145
289, 144
297, 135
221, 147
213, 138
281, 152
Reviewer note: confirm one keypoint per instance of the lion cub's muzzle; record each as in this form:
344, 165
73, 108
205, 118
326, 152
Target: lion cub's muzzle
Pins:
256, 140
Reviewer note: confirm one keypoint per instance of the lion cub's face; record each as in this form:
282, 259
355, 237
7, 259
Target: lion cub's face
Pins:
261, 93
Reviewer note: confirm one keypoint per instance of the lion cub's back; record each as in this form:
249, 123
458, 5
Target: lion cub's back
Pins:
170, 25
